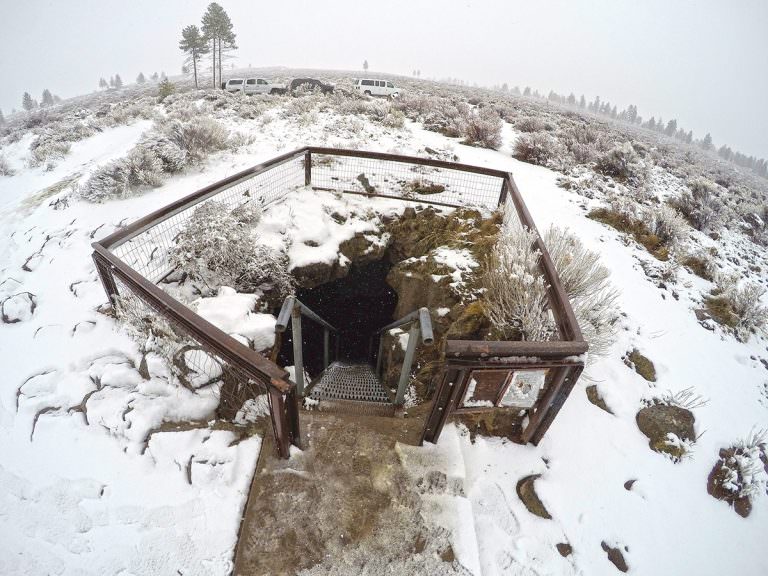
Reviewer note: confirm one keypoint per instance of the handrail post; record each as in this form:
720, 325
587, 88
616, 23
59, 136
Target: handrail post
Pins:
298, 360
308, 168
380, 357
326, 347
405, 372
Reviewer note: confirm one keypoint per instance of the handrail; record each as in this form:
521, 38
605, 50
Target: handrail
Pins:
285, 312
292, 310
421, 328
424, 320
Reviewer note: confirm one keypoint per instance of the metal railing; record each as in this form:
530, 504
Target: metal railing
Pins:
421, 326
292, 311
133, 261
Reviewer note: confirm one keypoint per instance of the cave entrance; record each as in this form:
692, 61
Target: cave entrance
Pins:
357, 305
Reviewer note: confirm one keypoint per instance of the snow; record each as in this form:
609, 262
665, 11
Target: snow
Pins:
233, 313
108, 490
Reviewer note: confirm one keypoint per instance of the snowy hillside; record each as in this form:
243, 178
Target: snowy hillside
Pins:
108, 469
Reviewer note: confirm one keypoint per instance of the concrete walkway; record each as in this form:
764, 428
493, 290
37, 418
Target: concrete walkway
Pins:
343, 505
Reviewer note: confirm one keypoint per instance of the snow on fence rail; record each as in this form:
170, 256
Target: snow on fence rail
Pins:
133, 260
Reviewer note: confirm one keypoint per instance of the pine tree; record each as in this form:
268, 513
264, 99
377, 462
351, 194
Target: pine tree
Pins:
103, 84
194, 45
527, 91
365, 65
155, 77
671, 128
140, 78
27, 102
111, 81
218, 30
707, 142
2, 118
118, 81
582, 102
47, 98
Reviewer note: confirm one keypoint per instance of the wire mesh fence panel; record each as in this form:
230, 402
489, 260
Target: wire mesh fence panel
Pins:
147, 252
410, 181
191, 363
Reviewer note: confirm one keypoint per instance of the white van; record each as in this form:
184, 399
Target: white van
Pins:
373, 87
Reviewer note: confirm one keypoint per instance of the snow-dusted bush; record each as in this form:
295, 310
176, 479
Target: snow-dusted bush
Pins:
446, 117
122, 113
198, 137
583, 141
701, 205
586, 282
738, 306
5, 167
483, 128
742, 469
622, 163
530, 124
47, 151
217, 247
123, 177
666, 224
539, 148
516, 295
172, 157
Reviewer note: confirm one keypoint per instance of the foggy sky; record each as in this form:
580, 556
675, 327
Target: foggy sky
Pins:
704, 62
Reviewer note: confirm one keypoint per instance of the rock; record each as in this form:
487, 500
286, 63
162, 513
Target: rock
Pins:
360, 249
659, 420
594, 396
629, 484
472, 323
564, 548
18, 307
641, 364
448, 554
527, 494
615, 556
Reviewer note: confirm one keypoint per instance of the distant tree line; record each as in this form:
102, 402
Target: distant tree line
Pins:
630, 115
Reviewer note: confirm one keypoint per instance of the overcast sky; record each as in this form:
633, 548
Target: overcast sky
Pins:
704, 62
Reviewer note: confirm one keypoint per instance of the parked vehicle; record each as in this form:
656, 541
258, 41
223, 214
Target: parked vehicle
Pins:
252, 86
372, 87
262, 86
233, 85
310, 84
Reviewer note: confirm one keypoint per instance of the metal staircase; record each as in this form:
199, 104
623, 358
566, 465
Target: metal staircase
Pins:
351, 387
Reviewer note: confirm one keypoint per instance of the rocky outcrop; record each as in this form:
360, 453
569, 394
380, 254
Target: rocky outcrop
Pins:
660, 420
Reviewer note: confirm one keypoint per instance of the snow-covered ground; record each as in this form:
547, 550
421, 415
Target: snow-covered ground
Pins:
88, 486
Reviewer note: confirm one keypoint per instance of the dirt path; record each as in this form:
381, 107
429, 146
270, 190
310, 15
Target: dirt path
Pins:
344, 505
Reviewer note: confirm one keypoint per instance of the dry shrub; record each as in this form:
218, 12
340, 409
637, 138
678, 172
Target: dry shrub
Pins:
701, 205
738, 306
624, 164
586, 282
217, 247
198, 136
483, 128
539, 148
516, 295
530, 124
5, 167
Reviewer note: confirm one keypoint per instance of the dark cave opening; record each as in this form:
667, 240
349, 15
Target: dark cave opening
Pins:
356, 305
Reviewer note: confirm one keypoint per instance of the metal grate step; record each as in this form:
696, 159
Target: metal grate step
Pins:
354, 382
